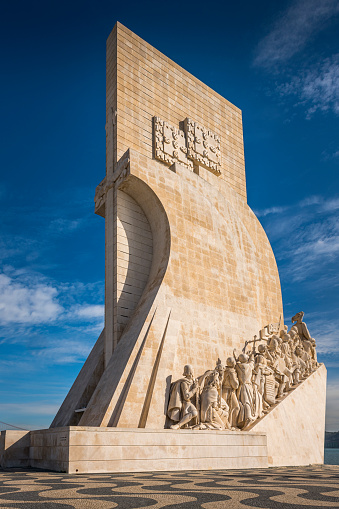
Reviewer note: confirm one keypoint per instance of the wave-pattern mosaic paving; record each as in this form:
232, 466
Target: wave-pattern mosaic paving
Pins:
278, 488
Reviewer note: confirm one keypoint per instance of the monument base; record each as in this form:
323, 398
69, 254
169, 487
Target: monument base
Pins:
292, 433
79, 450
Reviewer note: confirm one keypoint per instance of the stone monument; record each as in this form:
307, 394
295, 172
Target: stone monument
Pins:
191, 288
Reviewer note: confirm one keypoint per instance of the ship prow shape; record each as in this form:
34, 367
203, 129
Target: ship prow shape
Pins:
277, 388
189, 276
295, 424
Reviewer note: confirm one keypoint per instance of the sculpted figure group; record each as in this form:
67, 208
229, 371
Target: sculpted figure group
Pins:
234, 395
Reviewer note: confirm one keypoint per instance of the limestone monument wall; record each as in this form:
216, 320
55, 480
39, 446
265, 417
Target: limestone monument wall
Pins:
187, 262
190, 278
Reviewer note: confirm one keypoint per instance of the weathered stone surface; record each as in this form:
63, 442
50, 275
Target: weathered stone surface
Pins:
14, 448
295, 428
89, 450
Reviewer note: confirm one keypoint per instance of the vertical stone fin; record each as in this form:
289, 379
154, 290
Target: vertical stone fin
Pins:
150, 389
122, 398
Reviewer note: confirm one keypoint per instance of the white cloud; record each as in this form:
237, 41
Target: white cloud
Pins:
62, 225
321, 247
89, 311
310, 200
295, 27
307, 257
325, 331
330, 205
32, 303
271, 210
315, 241
324, 205
312, 81
317, 88
63, 352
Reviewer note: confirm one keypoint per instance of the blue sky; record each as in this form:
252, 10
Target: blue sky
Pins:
277, 61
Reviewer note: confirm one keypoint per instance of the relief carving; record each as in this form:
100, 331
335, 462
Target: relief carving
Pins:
203, 146
234, 396
170, 144
120, 173
194, 144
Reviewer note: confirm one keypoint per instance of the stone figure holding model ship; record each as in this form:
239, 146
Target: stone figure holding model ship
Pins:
234, 396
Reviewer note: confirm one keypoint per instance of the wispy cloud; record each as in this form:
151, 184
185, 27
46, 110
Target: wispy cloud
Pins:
62, 225
316, 88
29, 304
89, 311
301, 74
294, 28
270, 210
315, 241
63, 352
305, 239
321, 204
29, 298
330, 205
56, 323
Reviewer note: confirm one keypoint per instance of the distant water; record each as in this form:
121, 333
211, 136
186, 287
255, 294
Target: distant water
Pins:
331, 457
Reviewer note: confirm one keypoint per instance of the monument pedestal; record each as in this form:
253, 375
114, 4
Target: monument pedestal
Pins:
78, 449
292, 433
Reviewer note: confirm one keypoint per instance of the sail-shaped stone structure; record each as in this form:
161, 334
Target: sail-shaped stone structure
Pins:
190, 276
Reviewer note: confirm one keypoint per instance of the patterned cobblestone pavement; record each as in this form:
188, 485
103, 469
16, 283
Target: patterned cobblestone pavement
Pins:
281, 488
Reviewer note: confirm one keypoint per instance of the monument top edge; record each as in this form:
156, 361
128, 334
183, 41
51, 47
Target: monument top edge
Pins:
119, 26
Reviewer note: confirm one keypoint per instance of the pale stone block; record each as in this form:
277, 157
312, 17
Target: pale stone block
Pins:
296, 426
92, 449
14, 448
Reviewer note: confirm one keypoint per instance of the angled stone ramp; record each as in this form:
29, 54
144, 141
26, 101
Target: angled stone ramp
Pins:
295, 426
126, 388
83, 387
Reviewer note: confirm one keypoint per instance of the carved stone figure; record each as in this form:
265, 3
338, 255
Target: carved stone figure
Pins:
209, 395
181, 408
244, 368
308, 342
230, 385
214, 410
281, 372
263, 388
235, 395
